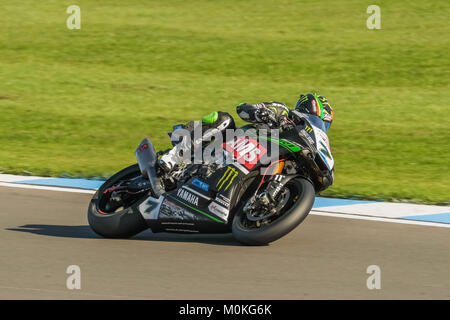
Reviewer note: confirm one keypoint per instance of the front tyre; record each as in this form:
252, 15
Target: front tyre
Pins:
110, 218
299, 204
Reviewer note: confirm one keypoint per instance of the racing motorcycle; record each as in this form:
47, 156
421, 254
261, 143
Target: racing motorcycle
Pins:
256, 202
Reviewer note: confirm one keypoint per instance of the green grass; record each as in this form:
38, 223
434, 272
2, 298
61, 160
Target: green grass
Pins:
78, 101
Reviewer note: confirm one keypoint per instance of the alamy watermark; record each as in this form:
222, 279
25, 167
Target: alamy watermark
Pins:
374, 280
374, 20
244, 148
73, 281
74, 20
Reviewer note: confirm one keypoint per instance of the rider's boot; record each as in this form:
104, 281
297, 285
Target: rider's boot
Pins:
168, 161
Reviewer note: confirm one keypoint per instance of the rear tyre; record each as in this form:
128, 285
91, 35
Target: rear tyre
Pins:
121, 223
297, 208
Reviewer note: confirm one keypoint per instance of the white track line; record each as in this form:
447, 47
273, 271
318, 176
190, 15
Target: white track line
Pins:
314, 212
28, 186
394, 220
387, 209
14, 178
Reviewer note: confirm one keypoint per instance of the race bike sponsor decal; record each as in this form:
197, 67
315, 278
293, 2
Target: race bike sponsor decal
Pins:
324, 150
181, 230
197, 217
304, 134
247, 151
223, 200
150, 208
200, 184
187, 196
227, 178
229, 155
278, 178
218, 210
289, 145
323, 147
308, 129
170, 210
197, 193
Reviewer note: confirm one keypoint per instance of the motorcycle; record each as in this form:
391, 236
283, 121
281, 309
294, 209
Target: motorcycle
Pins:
257, 206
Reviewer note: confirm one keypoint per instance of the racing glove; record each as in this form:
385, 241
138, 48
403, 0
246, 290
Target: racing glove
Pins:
272, 113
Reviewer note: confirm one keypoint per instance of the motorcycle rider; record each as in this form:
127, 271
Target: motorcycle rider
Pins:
273, 114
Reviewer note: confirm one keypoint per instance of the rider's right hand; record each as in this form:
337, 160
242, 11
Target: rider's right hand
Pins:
266, 116
297, 120
286, 124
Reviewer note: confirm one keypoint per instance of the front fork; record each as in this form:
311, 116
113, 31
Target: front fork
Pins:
267, 198
275, 184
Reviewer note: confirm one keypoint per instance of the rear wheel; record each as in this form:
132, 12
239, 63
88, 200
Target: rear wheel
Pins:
113, 211
294, 203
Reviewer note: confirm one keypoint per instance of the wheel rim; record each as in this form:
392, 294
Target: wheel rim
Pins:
286, 198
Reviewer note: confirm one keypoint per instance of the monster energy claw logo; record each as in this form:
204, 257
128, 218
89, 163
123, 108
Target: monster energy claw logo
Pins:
304, 98
229, 177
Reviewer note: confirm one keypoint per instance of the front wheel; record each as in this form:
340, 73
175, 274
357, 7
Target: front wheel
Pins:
298, 199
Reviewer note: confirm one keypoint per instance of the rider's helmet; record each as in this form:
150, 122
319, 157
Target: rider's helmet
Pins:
313, 104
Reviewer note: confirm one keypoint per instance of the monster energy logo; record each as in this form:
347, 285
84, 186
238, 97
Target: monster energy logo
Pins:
229, 177
305, 98
308, 129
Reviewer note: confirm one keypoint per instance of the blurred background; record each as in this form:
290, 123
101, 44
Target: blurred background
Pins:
77, 102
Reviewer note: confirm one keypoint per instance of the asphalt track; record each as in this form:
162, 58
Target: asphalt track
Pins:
43, 232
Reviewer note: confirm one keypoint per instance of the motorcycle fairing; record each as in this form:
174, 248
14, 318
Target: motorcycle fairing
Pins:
314, 132
323, 147
149, 208
199, 205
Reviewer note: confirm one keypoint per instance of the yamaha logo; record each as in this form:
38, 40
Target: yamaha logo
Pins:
187, 196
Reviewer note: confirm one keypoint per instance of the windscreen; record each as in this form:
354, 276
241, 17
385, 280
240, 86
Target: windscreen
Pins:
316, 121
